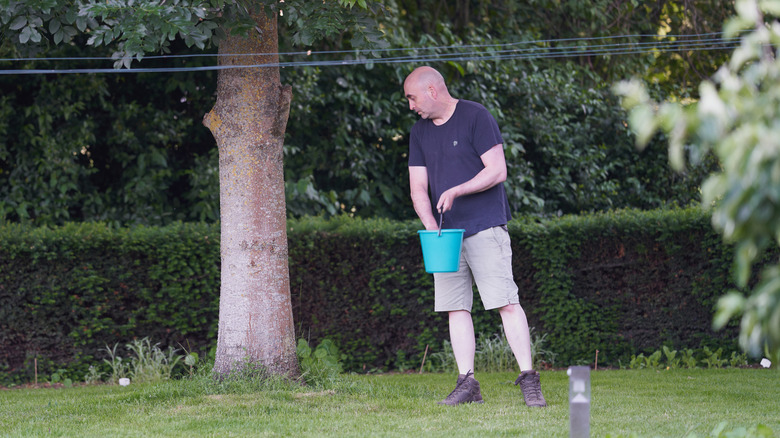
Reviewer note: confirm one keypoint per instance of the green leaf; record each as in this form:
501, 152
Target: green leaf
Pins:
303, 350
191, 359
70, 31
200, 43
677, 154
364, 197
54, 26
729, 306
643, 123
21, 211
386, 193
35, 36
735, 26
18, 23
457, 66
744, 54
26, 34
771, 7
746, 253
305, 36
747, 10
93, 40
70, 16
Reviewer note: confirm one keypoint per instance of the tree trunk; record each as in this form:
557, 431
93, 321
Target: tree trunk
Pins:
248, 122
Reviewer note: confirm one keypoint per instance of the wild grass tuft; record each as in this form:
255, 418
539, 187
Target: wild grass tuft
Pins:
493, 354
147, 363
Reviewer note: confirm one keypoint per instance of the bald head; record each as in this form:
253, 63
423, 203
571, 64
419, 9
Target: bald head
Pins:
428, 95
426, 77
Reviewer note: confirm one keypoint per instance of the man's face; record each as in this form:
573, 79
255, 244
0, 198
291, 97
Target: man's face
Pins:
419, 100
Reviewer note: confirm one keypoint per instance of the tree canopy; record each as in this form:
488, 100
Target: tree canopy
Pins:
135, 28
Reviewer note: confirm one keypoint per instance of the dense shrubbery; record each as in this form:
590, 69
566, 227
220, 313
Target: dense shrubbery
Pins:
623, 283
126, 149
567, 147
70, 291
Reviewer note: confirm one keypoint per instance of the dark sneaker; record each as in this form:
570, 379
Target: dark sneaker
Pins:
532, 388
466, 391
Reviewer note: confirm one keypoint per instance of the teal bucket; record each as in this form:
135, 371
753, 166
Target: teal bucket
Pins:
441, 253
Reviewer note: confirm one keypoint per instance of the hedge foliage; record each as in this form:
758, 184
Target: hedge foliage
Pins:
622, 283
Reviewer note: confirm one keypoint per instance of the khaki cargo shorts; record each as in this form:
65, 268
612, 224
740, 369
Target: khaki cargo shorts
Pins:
485, 260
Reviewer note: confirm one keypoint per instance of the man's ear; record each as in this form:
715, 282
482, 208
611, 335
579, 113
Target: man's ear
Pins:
432, 92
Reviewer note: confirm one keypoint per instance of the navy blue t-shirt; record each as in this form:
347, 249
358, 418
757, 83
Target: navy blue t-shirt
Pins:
451, 153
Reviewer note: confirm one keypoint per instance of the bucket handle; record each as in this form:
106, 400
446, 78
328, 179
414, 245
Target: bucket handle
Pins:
441, 218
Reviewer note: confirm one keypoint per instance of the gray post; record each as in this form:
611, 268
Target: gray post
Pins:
579, 402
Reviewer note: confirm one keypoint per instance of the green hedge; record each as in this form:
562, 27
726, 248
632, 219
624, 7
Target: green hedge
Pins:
622, 282
67, 292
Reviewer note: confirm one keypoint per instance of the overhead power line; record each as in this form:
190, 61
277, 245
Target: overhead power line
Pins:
704, 36
537, 49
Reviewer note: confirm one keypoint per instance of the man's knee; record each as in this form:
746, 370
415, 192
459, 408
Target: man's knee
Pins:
512, 309
459, 316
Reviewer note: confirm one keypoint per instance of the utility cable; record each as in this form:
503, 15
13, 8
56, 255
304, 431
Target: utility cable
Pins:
497, 52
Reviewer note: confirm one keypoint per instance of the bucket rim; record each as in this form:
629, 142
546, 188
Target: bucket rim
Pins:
444, 230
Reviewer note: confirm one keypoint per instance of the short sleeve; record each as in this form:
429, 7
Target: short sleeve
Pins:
416, 157
486, 132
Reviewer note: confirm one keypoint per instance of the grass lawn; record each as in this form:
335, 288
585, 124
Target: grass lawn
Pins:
649, 403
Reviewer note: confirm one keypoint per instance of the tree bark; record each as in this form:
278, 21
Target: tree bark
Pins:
248, 122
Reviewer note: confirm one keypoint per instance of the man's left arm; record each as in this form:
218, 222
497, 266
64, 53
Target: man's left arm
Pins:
493, 174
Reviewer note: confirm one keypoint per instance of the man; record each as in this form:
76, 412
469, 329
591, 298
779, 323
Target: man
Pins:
456, 151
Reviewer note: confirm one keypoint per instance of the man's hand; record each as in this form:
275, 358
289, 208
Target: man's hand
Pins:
447, 199
418, 180
493, 173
